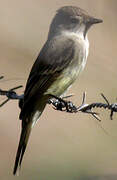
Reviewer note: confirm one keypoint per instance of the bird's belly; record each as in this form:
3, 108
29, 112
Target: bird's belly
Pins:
65, 80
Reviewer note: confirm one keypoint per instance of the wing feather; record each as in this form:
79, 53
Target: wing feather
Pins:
54, 57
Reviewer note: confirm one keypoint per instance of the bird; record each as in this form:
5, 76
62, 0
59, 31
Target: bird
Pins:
59, 63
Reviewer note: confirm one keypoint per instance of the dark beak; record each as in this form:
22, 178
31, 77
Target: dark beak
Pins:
89, 22
95, 21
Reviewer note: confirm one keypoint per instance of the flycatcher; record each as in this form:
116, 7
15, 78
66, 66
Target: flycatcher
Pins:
59, 63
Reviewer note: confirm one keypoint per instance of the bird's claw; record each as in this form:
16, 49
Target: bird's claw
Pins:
63, 105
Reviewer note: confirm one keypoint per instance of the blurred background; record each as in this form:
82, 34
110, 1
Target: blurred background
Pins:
62, 145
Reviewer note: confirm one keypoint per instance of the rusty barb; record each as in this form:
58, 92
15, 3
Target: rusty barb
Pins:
62, 104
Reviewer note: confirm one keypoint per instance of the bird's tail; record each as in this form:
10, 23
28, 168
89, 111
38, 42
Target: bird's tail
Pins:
25, 133
26, 129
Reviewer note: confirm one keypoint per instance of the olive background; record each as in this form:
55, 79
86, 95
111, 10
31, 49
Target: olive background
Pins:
62, 145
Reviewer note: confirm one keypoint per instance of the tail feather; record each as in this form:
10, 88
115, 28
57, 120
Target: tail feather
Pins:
22, 147
27, 125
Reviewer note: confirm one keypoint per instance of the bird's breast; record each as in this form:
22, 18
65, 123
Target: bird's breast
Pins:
72, 71
81, 51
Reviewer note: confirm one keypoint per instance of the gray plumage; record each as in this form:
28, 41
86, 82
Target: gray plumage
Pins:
58, 65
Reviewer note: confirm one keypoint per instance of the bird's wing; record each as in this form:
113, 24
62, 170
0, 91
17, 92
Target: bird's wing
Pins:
53, 58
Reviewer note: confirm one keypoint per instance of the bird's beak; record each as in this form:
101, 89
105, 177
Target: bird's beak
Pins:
95, 21
90, 21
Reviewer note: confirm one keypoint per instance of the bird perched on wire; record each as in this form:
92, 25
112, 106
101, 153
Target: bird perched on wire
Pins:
58, 65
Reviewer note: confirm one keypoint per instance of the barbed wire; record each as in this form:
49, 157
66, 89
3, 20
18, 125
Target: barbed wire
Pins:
61, 104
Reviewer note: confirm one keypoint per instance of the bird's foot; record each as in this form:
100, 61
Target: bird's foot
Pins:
62, 105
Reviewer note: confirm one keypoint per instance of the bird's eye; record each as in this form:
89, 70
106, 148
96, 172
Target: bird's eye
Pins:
74, 20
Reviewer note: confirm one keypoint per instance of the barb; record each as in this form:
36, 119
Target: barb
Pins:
105, 99
111, 107
62, 104
10, 94
4, 102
